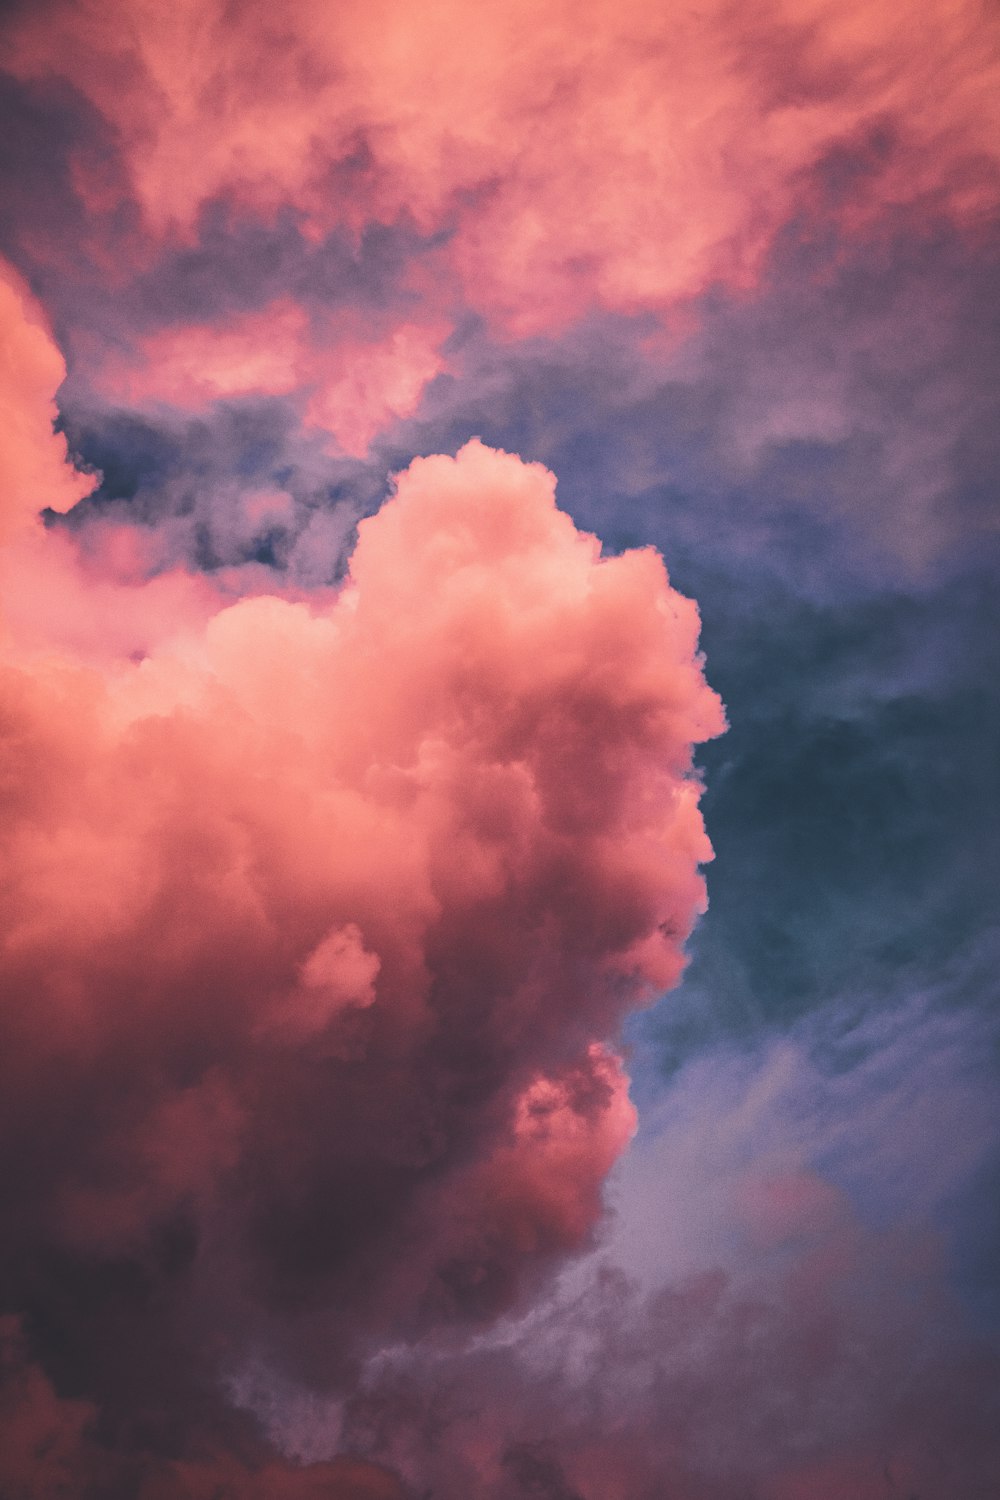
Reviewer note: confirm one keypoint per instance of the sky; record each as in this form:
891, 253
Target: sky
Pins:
500, 750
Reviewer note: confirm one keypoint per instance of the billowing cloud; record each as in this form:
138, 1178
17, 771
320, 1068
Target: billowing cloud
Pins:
320, 924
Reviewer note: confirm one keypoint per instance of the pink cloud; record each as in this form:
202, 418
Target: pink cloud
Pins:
353, 380
321, 919
194, 364
623, 156
102, 601
361, 386
34, 472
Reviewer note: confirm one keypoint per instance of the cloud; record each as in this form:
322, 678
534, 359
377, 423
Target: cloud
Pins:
834, 430
818, 1382
349, 821
784, 250
321, 924
546, 146
34, 470
48, 1448
355, 382
771, 1310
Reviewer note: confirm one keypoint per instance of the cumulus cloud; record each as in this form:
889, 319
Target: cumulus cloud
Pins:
320, 925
